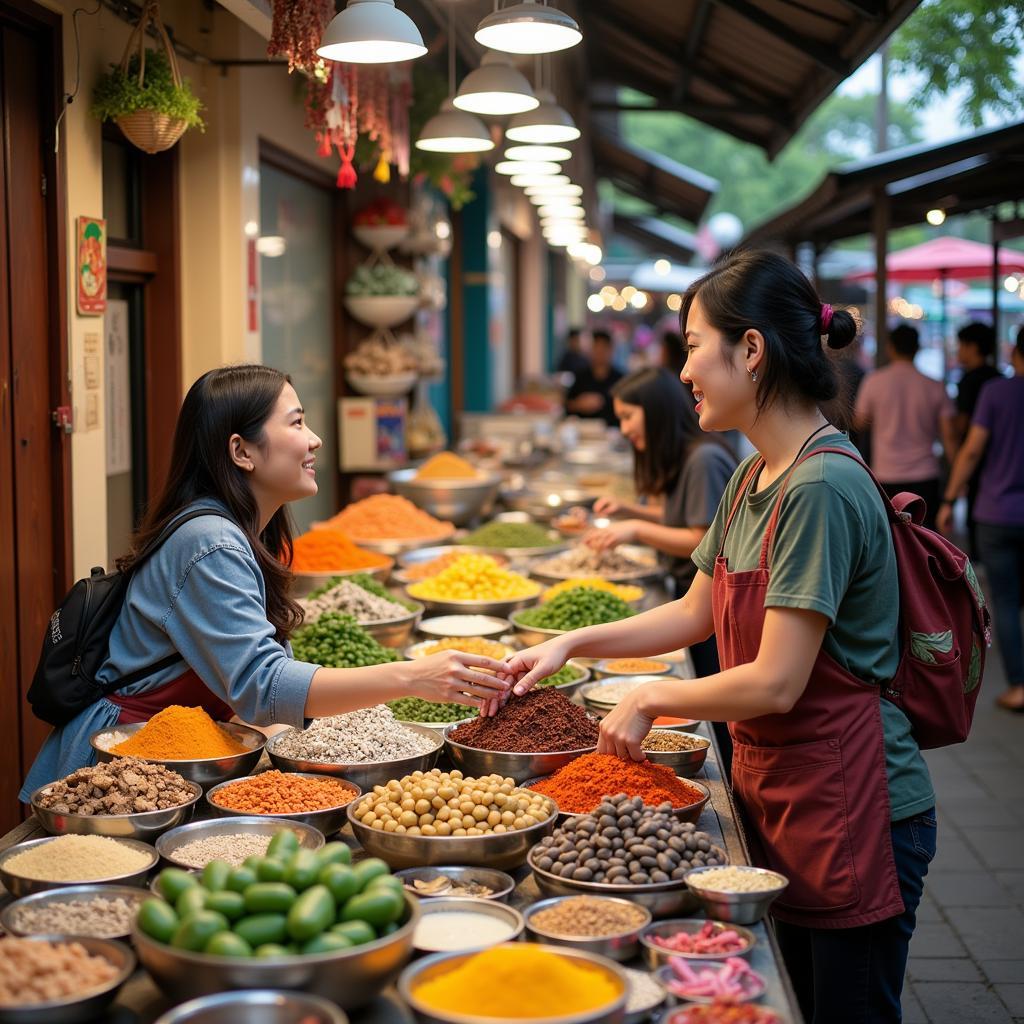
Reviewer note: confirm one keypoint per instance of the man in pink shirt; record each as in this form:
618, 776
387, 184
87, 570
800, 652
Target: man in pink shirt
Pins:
907, 414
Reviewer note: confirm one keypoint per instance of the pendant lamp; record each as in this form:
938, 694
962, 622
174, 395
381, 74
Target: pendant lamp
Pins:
561, 212
528, 27
556, 153
547, 125
495, 88
452, 130
561, 189
371, 32
528, 180
516, 167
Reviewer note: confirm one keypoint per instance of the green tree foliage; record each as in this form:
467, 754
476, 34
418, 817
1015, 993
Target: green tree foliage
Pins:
968, 45
751, 186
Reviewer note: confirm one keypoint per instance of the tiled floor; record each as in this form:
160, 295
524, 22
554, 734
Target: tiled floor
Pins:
967, 956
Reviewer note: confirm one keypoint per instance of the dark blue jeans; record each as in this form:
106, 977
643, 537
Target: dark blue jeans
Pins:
855, 975
1002, 551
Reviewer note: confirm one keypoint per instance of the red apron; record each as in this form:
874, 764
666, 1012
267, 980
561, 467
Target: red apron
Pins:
811, 783
187, 690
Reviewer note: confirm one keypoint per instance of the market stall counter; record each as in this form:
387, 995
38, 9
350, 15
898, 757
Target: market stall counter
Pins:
140, 1001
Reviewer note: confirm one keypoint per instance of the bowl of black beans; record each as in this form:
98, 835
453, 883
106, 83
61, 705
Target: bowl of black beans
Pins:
599, 854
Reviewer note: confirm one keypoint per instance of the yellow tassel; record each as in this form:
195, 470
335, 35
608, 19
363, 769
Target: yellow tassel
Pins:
382, 172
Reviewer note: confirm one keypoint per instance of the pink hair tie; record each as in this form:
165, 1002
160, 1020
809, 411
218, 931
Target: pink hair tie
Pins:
826, 317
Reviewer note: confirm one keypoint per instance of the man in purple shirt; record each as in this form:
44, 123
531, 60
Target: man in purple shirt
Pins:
997, 432
907, 414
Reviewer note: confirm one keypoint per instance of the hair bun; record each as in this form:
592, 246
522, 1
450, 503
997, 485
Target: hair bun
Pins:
842, 331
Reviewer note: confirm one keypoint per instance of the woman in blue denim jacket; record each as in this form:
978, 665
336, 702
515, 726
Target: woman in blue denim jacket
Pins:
217, 593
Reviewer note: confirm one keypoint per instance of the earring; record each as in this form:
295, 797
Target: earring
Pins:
753, 376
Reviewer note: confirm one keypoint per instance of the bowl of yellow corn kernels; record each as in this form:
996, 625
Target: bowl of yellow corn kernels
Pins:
476, 584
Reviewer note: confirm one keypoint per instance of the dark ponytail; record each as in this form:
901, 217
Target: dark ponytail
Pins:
762, 291
229, 400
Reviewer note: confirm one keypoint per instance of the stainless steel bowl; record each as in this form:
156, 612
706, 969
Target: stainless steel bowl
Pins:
735, 907
620, 947
349, 977
396, 546
476, 762
79, 1008
664, 975
143, 825
685, 763
169, 843
646, 559
544, 502
69, 894
421, 555
430, 966
500, 884
421, 649
328, 821
533, 635
691, 812
504, 850
591, 693
463, 904
457, 501
583, 676
366, 774
306, 582
489, 626
501, 608
655, 955
207, 771
662, 899
259, 1006
437, 727
395, 632
17, 885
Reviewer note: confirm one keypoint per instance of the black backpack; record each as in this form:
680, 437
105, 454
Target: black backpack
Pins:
78, 638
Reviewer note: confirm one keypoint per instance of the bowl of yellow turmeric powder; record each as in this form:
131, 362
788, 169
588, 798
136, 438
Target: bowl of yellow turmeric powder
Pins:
188, 741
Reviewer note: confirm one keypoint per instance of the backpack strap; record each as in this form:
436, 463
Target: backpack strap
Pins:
903, 507
147, 552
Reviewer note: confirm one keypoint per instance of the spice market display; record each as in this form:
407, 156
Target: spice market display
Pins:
474, 578
122, 786
387, 517
179, 734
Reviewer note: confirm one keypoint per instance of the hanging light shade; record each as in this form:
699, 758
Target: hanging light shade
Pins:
495, 88
528, 180
554, 199
567, 188
528, 27
516, 167
548, 124
561, 212
371, 32
454, 131
557, 153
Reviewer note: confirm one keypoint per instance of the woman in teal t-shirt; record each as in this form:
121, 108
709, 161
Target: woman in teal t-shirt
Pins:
798, 582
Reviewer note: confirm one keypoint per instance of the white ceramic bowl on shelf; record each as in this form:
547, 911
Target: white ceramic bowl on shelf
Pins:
381, 310
392, 385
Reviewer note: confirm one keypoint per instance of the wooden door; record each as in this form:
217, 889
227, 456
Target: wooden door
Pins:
34, 454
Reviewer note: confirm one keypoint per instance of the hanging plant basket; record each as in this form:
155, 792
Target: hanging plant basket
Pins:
152, 105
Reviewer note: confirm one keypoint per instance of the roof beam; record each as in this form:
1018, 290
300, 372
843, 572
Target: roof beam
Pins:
812, 49
872, 9
689, 54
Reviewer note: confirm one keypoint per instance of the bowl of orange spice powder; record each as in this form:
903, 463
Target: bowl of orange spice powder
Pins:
388, 524
187, 741
317, 800
322, 555
448, 487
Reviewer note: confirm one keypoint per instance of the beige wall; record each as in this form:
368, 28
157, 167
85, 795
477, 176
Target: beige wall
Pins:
219, 196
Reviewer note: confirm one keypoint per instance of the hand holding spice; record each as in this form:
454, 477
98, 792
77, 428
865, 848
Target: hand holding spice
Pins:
180, 734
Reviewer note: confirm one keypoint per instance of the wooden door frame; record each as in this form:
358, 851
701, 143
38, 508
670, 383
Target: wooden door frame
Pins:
48, 26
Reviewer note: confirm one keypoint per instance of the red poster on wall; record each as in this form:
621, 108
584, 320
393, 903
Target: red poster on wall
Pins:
91, 266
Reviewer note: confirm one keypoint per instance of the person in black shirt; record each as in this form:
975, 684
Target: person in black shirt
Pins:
573, 360
976, 350
590, 396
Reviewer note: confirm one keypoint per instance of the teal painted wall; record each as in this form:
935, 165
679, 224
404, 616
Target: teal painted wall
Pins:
477, 395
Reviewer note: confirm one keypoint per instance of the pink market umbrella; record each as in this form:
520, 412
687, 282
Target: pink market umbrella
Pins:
945, 257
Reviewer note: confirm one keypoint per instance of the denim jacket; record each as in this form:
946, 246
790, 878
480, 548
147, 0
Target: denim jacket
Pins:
201, 594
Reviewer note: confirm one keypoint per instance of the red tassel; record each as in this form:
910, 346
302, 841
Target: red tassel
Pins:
347, 173
323, 144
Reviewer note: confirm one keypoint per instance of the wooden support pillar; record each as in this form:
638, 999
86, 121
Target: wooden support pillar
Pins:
880, 230
996, 284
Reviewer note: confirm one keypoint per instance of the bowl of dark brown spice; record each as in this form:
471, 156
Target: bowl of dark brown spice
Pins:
532, 735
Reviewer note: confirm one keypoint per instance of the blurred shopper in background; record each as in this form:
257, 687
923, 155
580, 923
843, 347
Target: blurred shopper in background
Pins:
997, 435
906, 413
591, 393
976, 353
673, 353
574, 360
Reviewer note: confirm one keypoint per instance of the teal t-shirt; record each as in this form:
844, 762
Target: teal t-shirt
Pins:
833, 554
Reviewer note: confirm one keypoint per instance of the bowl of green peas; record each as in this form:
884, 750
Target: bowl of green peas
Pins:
430, 714
336, 640
572, 609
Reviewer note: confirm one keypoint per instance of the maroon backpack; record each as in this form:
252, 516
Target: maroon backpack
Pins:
944, 628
